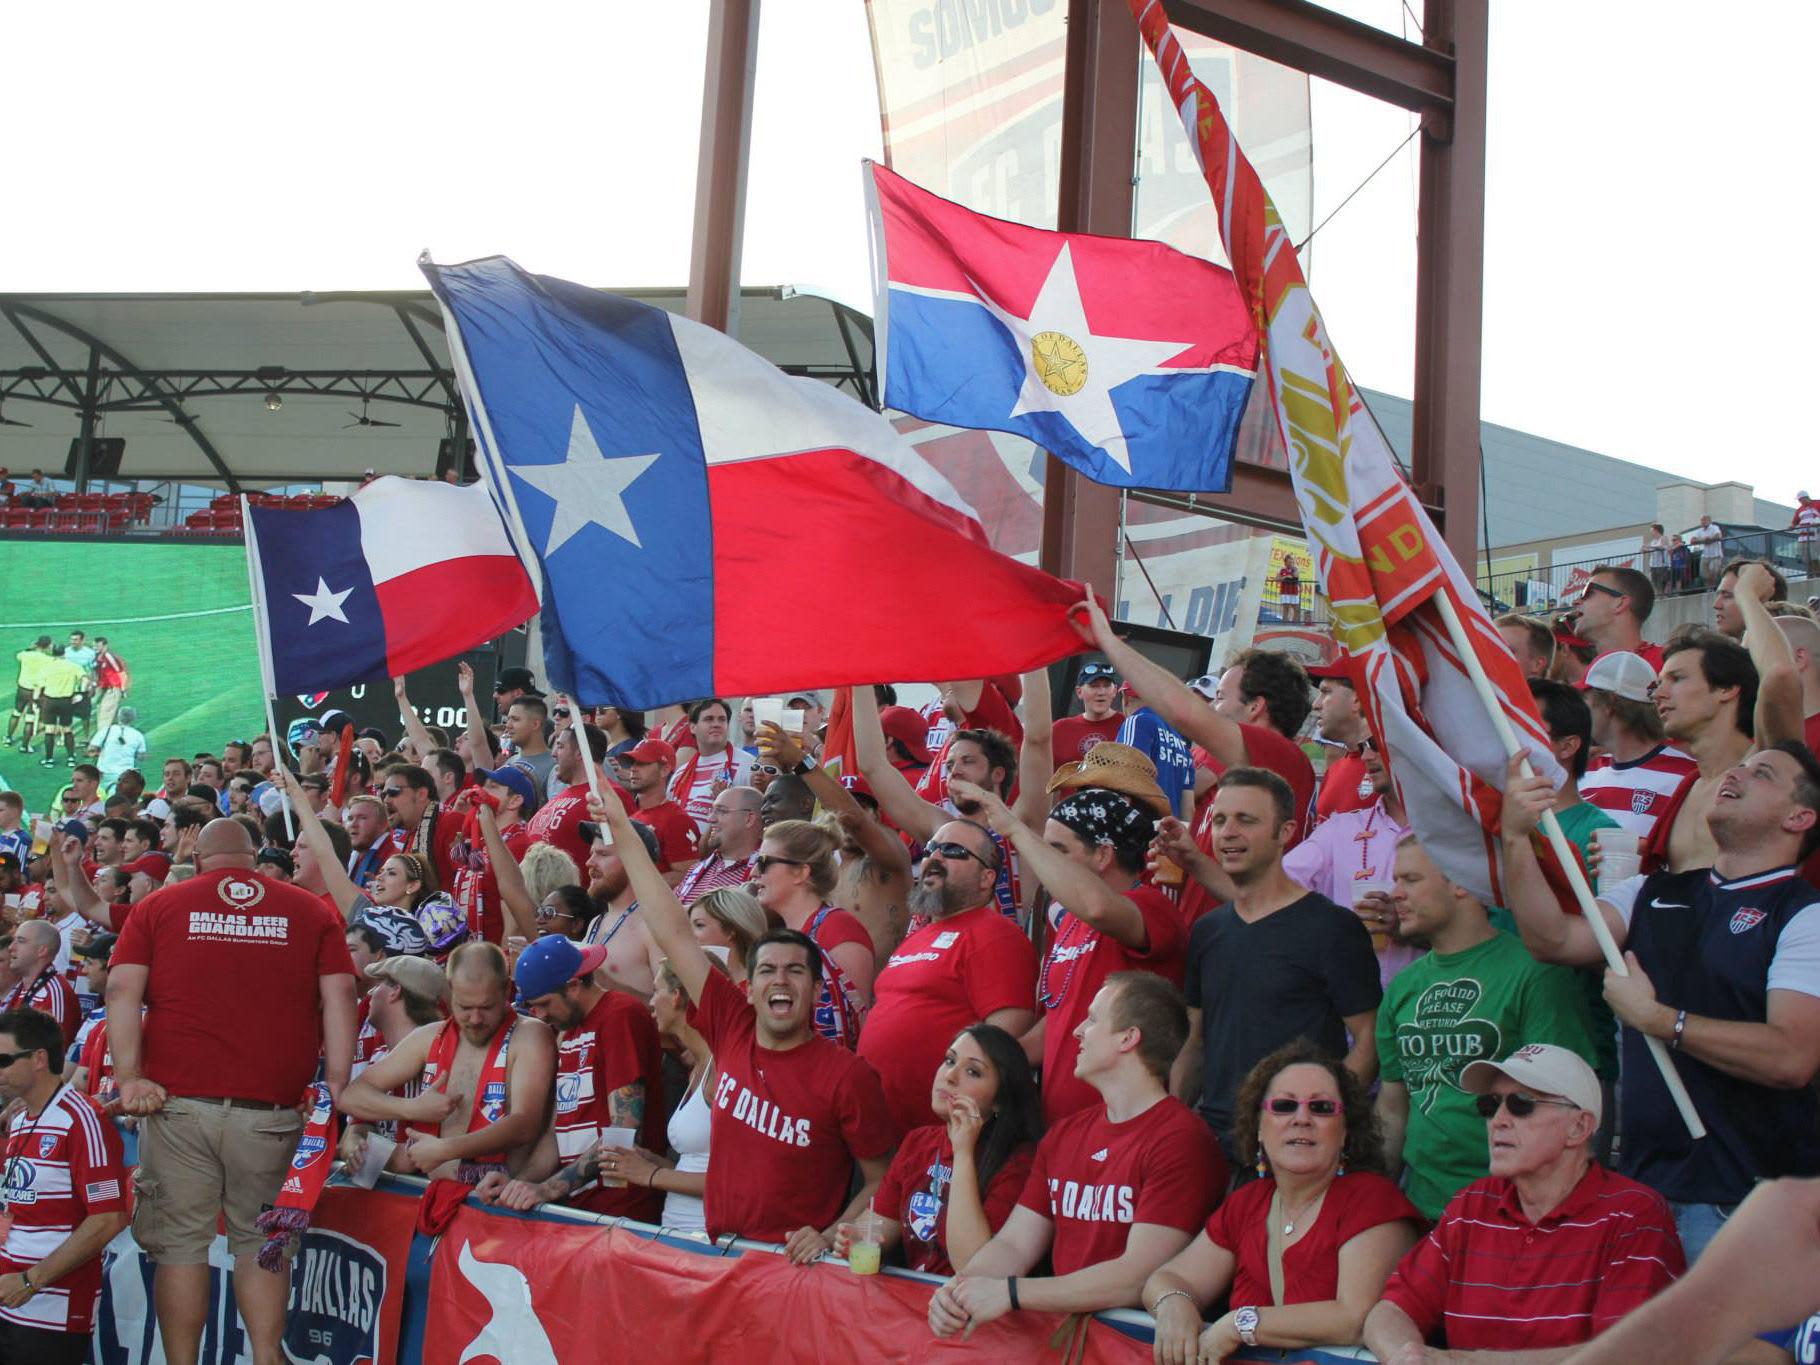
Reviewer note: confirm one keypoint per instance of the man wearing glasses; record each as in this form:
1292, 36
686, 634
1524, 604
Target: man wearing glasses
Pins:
1100, 719
1613, 607
1547, 1251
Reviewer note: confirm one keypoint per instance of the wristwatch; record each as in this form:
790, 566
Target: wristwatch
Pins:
1245, 1323
807, 765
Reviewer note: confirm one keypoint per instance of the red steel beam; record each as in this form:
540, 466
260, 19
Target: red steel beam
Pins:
721, 161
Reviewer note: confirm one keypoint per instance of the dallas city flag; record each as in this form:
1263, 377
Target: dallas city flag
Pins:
1127, 359
403, 574
1381, 562
701, 524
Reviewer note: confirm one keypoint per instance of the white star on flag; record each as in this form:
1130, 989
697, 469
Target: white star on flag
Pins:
587, 487
323, 604
1110, 360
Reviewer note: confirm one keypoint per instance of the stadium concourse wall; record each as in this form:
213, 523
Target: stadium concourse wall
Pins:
559, 1287
178, 612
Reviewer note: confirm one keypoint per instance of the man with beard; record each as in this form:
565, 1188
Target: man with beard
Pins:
369, 845
486, 1076
631, 957
609, 1074
969, 964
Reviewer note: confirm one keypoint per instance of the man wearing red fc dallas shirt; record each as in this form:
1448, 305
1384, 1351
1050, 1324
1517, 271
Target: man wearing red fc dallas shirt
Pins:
558, 821
791, 1112
1116, 1190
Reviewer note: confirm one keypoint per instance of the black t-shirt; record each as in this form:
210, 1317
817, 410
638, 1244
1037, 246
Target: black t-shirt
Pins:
1296, 973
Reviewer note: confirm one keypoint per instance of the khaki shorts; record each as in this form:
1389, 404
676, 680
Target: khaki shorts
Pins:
199, 1158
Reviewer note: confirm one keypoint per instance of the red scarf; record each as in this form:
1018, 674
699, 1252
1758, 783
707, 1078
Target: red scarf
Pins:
285, 1222
489, 1102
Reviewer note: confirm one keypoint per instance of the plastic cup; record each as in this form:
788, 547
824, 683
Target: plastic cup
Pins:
379, 1150
863, 1258
1367, 886
1619, 856
771, 710
616, 1137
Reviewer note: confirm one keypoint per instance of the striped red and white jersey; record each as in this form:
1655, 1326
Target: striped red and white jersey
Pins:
1636, 794
50, 994
95, 1055
61, 1166
713, 873
369, 1045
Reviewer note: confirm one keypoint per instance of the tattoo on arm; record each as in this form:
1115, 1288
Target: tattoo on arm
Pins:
626, 1106
579, 1171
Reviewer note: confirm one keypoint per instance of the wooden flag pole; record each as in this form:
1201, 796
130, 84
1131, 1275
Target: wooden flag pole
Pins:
1557, 840
262, 641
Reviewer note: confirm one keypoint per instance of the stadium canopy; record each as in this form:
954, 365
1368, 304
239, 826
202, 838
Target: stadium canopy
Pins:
254, 390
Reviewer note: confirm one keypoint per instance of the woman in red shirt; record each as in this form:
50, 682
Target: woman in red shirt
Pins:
1306, 1248
953, 1184
795, 872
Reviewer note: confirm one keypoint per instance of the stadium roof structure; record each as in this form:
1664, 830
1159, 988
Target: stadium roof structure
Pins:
260, 389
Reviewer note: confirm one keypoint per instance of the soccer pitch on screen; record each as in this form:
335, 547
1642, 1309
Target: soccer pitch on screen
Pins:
179, 614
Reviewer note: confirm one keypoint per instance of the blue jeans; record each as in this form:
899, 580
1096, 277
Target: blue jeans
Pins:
1698, 1224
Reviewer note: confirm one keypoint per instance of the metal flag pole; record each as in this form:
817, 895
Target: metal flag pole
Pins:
1557, 840
262, 641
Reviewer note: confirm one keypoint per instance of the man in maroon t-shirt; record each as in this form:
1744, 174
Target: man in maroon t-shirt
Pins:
792, 1113
968, 964
558, 821
1116, 1189
1100, 717
647, 769
245, 982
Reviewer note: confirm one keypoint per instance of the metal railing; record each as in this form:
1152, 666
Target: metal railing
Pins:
1557, 585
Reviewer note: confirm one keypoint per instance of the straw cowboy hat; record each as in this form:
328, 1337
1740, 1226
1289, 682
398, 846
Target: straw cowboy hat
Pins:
1118, 768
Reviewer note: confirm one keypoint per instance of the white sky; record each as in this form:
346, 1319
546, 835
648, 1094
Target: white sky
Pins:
212, 146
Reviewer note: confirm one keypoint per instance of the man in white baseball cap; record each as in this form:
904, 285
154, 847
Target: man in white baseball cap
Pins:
1548, 1250
1638, 771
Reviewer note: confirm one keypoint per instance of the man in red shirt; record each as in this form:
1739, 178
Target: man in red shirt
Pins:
609, 1074
245, 985
558, 821
1345, 785
791, 1112
33, 958
420, 824
730, 845
1098, 690
1615, 603
906, 741
646, 769
1116, 1189
1548, 1250
968, 964
66, 1196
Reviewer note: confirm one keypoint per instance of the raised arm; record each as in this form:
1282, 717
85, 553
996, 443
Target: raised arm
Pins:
879, 843
1167, 694
413, 725
335, 879
67, 855
514, 895
1548, 931
663, 914
1036, 755
908, 811
480, 742
1779, 700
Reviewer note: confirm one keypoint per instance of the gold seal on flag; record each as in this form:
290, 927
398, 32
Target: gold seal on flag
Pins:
1059, 362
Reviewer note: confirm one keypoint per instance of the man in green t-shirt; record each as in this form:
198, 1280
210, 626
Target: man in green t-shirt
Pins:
1477, 995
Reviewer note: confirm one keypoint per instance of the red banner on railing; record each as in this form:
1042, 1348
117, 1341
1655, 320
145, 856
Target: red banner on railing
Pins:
519, 1292
347, 1282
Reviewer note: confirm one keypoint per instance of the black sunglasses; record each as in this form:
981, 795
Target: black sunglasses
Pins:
1521, 1106
8, 1058
767, 860
1601, 587
393, 792
951, 850
1321, 1109
561, 713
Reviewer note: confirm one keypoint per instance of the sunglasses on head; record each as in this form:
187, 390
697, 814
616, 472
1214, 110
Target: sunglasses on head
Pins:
951, 850
1321, 1109
1521, 1106
769, 860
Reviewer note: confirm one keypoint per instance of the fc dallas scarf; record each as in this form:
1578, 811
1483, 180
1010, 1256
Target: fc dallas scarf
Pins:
286, 1220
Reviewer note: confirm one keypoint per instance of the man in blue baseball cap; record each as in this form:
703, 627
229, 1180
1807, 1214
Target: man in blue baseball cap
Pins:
609, 1074
509, 795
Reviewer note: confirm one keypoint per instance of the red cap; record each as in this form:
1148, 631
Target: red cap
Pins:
909, 729
1333, 668
651, 751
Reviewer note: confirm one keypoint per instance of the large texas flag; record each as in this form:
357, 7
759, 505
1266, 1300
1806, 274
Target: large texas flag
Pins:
702, 524
1127, 359
403, 574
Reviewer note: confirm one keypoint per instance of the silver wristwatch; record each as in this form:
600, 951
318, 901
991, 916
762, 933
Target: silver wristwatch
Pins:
1245, 1322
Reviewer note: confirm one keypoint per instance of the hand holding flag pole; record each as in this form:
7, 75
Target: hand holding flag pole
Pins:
1557, 840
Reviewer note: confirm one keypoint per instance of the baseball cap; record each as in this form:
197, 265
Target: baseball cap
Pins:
336, 721
159, 809
1333, 670
1098, 670
810, 697
99, 946
512, 778
1621, 673
650, 751
418, 975
9, 862
909, 729
1544, 1068
75, 827
519, 678
551, 963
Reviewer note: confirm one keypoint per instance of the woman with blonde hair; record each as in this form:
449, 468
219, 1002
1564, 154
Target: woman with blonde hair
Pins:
729, 918
796, 870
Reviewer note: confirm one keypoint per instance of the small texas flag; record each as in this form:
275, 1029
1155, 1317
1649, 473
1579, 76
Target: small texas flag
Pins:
1127, 359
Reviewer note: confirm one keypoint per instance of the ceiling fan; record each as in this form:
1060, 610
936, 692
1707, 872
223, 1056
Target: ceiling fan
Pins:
6, 421
362, 420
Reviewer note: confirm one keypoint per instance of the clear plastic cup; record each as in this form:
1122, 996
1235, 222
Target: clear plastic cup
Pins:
1620, 856
1366, 886
616, 1137
864, 1248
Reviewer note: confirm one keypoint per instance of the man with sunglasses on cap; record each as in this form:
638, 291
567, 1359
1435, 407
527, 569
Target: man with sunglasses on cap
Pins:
1097, 688
403, 993
1548, 1250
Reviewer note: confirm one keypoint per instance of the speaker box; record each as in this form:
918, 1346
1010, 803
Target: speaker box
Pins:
103, 457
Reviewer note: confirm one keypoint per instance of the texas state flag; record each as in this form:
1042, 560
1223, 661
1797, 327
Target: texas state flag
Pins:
1127, 359
403, 574
706, 525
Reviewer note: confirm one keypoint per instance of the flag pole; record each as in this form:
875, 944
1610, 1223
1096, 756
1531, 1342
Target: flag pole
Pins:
262, 641
580, 728
1557, 840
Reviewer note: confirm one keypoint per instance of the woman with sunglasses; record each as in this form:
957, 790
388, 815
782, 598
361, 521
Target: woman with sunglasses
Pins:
792, 878
1304, 1249
953, 1184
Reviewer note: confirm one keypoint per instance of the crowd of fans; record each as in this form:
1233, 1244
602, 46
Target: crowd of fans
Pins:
1129, 1008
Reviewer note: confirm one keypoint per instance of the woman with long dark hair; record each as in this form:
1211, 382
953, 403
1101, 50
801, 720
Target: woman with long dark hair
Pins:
953, 1184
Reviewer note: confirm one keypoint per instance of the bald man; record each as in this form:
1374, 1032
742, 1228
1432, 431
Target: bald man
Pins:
246, 987
33, 959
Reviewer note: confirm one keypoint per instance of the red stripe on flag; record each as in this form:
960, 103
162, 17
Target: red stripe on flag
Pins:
442, 609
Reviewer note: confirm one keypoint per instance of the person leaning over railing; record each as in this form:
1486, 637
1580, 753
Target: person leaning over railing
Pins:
1304, 1249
